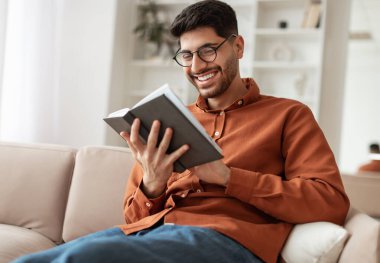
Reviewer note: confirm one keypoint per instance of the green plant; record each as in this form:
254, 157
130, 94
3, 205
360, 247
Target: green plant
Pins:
151, 28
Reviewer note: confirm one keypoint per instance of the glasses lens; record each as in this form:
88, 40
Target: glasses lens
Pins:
207, 54
184, 58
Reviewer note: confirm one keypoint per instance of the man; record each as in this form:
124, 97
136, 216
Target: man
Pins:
278, 169
374, 164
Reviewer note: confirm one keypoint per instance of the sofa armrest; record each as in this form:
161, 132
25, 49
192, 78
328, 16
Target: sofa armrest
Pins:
364, 242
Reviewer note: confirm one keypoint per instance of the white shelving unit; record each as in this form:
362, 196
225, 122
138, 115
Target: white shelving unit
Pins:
146, 73
286, 62
314, 75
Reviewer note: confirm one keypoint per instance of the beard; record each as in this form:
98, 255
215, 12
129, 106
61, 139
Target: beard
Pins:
227, 76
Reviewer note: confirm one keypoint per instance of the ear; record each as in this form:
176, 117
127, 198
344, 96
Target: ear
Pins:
239, 46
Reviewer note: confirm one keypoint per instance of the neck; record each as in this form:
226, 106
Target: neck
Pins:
234, 92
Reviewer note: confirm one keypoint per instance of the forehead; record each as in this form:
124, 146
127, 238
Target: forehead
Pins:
192, 40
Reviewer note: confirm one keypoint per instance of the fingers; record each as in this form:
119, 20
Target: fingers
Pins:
153, 136
134, 136
150, 150
174, 156
133, 145
165, 142
126, 137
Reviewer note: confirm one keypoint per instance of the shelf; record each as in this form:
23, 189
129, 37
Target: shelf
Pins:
273, 12
283, 65
240, 3
289, 32
277, 58
153, 63
308, 100
167, 2
145, 92
139, 93
276, 2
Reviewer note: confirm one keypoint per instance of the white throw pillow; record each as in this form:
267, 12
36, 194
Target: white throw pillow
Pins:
320, 242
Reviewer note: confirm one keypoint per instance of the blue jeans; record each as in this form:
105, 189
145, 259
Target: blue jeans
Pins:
165, 243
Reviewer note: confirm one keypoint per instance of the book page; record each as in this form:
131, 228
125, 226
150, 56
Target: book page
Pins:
118, 113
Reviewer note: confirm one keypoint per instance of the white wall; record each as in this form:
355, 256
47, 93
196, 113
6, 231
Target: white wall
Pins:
85, 70
3, 8
361, 119
90, 60
119, 76
28, 86
57, 70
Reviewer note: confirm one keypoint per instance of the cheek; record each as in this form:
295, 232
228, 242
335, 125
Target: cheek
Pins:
186, 70
228, 63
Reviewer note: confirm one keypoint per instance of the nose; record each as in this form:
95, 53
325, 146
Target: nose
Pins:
197, 64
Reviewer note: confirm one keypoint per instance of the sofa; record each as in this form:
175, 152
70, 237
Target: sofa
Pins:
363, 188
51, 194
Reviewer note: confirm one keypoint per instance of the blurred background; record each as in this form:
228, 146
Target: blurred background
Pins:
66, 64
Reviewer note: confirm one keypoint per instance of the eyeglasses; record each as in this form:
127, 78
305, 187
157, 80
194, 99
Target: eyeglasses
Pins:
206, 54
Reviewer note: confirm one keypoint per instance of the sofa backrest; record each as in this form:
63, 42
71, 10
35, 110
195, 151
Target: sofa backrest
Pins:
34, 186
97, 190
363, 192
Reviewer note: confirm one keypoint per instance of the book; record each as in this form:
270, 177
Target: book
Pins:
312, 15
164, 105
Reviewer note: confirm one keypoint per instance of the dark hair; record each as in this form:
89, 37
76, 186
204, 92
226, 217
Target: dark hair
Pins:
374, 148
208, 13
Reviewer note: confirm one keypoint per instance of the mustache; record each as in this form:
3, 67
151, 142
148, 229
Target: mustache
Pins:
194, 74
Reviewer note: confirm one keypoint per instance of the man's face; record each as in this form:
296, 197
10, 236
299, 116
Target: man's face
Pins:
210, 78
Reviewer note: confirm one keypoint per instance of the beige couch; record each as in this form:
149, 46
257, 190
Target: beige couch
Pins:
363, 188
51, 194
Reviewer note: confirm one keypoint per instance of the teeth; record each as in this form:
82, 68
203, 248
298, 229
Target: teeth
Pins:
206, 77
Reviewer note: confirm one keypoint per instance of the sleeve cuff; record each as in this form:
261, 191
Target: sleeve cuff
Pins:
246, 185
151, 206
241, 184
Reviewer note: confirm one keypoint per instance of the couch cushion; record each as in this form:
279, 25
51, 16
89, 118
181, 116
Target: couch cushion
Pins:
34, 186
364, 243
97, 190
314, 242
17, 241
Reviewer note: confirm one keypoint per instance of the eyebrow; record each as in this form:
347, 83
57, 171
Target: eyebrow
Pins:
204, 45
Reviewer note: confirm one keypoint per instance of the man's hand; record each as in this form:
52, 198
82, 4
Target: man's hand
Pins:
213, 172
156, 164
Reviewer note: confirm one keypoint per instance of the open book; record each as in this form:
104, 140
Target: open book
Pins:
165, 106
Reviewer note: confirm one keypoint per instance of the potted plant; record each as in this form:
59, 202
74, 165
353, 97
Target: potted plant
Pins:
153, 30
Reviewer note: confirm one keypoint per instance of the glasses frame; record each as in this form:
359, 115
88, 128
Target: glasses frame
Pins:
198, 50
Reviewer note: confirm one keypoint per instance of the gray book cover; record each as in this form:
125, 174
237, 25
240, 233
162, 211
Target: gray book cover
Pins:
187, 130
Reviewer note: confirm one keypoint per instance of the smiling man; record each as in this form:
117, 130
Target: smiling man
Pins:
278, 169
216, 78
